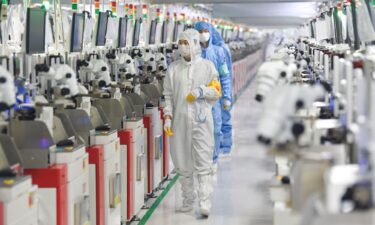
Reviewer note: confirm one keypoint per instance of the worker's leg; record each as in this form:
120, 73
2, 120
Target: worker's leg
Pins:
216, 112
202, 146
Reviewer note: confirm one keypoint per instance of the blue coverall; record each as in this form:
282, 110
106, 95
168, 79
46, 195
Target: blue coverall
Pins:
217, 55
226, 127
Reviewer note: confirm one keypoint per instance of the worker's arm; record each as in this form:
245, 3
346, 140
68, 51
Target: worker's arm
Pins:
212, 92
225, 79
168, 109
168, 95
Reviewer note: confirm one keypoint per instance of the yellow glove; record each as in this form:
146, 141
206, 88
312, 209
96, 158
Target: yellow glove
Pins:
169, 132
226, 104
167, 127
215, 84
190, 98
194, 95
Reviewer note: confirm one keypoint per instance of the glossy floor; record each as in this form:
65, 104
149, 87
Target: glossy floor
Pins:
241, 194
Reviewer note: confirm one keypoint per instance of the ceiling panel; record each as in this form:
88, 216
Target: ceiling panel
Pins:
259, 13
283, 14
297, 9
226, 1
271, 22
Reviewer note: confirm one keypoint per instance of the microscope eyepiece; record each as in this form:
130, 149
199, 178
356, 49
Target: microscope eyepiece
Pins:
259, 98
3, 106
298, 129
264, 140
102, 84
65, 91
300, 104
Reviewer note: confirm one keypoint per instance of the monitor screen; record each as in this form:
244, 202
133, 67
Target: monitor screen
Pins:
175, 31
151, 40
122, 33
77, 32
35, 31
102, 29
164, 32
137, 30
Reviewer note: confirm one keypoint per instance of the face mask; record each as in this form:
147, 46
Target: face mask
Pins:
184, 50
204, 37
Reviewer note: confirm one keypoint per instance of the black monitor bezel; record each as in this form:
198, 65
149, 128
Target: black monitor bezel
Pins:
122, 20
137, 22
28, 30
175, 31
100, 16
164, 32
72, 33
152, 36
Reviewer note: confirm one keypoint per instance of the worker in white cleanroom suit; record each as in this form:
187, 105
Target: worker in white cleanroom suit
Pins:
190, 89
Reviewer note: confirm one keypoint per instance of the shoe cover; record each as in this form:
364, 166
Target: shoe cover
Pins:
204, 193
187, 187
185, 208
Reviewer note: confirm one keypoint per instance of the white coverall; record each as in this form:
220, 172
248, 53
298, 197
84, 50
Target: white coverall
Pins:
192, 144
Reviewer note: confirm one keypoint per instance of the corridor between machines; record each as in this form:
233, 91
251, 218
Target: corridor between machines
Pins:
241, 194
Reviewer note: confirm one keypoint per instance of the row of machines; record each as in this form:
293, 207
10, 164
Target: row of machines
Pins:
317, 123
82, 138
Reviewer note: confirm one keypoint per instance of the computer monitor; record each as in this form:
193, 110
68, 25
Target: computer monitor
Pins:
35, 30
164, 32
102, 29
76, 39
151, 40
137, 30
122, 33
175, 31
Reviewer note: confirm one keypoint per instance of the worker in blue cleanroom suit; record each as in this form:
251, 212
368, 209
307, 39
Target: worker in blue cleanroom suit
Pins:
226, 102
217, 55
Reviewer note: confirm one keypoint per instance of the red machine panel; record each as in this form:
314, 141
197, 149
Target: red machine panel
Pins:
126, 138
1, 214
96, 157
147, 120
53, 177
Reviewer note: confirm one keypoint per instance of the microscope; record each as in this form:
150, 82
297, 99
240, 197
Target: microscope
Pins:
18, 195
